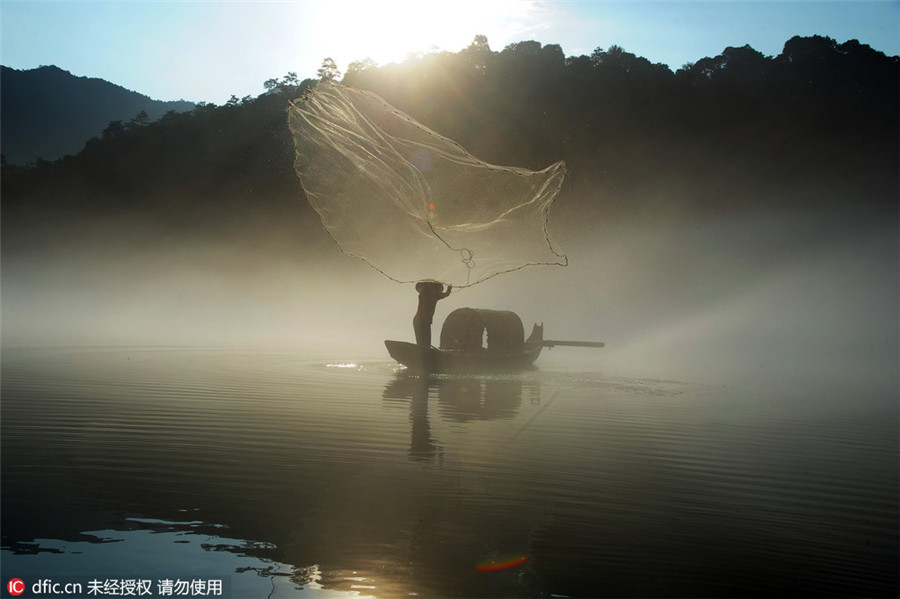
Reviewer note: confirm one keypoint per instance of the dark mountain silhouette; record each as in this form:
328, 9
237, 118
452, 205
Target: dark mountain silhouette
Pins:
814, 128
48, 113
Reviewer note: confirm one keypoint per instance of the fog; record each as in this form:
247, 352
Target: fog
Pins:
711, 298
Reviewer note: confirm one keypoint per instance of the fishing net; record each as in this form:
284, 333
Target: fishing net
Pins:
413, 204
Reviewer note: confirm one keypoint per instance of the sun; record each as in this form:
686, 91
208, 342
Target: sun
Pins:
390, 30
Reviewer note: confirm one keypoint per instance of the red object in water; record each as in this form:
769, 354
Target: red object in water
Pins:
494, 565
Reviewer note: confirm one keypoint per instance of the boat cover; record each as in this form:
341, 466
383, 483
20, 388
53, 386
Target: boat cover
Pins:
464, 329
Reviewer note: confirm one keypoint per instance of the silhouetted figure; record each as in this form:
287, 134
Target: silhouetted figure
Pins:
429, 294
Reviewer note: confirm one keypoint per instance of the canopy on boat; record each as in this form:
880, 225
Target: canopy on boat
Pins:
465, 329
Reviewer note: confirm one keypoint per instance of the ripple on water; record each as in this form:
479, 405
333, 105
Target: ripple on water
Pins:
347, 474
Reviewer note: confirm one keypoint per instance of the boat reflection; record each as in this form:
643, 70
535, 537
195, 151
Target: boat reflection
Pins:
459, 399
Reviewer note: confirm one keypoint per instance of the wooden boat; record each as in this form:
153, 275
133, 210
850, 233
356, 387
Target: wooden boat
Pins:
476, 340
457, 360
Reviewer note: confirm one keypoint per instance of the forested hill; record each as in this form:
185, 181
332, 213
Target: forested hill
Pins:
814, 127
818, 113
48, 112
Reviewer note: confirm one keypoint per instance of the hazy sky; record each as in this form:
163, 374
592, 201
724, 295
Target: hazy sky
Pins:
209, 50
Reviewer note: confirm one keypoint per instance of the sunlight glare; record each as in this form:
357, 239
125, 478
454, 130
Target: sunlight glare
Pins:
390, 31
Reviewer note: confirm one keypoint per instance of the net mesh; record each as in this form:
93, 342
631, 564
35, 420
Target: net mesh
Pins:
413, 204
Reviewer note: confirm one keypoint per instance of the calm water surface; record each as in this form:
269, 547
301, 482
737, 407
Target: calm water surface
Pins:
286, 475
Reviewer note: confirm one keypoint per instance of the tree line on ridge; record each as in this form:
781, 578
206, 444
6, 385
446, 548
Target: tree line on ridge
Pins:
815, 126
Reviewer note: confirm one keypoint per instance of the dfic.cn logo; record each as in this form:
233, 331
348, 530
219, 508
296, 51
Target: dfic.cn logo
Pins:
15, 586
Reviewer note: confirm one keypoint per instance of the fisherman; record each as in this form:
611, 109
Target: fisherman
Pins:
429, 294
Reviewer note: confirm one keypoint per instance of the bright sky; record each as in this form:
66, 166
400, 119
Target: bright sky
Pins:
207, 50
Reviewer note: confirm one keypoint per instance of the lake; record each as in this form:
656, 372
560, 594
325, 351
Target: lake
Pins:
221, 472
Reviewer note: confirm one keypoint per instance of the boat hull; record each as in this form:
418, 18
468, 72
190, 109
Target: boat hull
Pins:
455, 361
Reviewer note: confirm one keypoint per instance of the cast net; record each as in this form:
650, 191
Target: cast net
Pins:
413, 204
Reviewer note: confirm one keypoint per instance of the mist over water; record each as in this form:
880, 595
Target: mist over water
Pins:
732, 297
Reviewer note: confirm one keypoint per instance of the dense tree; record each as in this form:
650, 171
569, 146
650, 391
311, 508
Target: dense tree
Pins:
357, 68
328, 71
478, 53
140, 119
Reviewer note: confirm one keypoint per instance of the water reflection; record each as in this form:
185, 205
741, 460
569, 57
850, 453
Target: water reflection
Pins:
152, 550
364, 480
459, 399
